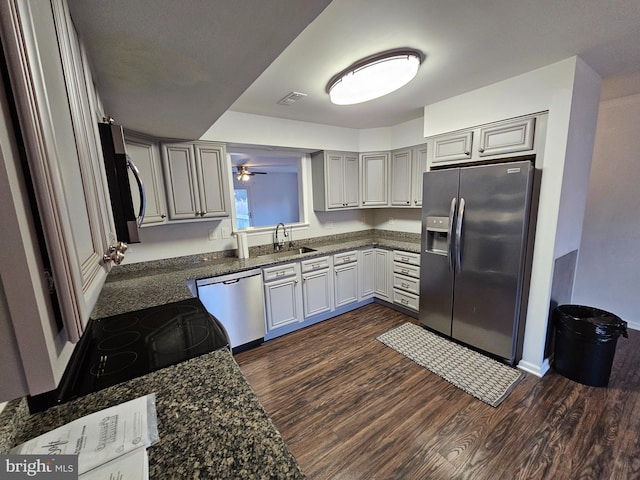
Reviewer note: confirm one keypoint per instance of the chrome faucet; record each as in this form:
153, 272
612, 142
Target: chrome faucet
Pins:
279, 243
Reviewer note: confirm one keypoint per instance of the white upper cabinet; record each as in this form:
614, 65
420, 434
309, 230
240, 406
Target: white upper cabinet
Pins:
56, 104
195, 179
505, 138
407, 167
335, 180
374, 179
144, 154
420, 158
401, 166
454, 147
57, 114
509, 138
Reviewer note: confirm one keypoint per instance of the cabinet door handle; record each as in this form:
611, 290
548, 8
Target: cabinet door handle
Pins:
203, 213
467, 153
481, 149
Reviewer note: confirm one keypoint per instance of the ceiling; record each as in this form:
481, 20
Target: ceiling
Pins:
171, 68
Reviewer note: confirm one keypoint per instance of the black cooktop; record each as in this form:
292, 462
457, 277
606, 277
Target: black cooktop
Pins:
122, 347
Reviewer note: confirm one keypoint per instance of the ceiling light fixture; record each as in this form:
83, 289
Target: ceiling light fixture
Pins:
374, 76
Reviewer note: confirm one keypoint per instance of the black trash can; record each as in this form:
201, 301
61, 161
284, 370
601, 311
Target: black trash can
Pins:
585, 343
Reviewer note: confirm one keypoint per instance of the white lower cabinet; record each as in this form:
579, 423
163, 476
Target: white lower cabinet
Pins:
366, 272
346, 278
282, 295
406, 279
298, 294
317, 286
382, 274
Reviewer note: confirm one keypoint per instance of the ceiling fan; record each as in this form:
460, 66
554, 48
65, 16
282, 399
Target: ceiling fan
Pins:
243, 173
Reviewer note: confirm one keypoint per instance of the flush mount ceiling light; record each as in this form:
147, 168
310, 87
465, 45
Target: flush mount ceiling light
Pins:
374, 76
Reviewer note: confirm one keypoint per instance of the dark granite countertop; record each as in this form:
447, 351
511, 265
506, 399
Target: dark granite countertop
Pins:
211, 423
138, 286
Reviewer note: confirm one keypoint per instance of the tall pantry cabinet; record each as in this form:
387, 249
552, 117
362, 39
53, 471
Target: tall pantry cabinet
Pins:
51, 87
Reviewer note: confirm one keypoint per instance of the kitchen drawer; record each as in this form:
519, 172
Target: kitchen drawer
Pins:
315, 264
345, 257
406, 257
406, 269
405, 299
279, 271
408, 284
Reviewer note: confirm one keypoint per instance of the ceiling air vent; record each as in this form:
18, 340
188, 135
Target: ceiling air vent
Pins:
291, 98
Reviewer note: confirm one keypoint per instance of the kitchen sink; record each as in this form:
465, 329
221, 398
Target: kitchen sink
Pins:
293, 251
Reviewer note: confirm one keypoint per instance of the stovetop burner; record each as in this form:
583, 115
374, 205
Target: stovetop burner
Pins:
122, 347
118, 341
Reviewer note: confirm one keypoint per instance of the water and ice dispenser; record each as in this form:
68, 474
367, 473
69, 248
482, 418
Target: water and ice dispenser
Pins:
437, 235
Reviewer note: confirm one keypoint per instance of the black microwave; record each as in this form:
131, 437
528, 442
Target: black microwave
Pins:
117, 163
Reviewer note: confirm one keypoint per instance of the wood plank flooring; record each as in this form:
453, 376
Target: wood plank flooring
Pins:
351, 408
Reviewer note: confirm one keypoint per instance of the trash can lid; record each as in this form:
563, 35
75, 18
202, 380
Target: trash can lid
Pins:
591, 321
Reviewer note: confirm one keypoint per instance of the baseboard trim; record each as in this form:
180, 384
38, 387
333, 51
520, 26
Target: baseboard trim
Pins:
534, 369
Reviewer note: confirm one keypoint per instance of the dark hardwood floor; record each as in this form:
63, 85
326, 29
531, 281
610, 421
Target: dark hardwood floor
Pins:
351, 408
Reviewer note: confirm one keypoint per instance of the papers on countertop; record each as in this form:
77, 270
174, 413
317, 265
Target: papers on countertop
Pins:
131, 466
114, 439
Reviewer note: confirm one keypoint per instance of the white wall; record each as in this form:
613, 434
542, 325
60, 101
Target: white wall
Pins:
273, 198
608, 272
235, 127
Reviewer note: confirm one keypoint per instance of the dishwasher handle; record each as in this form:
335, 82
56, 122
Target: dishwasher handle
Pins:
228, 279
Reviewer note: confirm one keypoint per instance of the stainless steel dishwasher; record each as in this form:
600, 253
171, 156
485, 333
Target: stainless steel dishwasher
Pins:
237, 301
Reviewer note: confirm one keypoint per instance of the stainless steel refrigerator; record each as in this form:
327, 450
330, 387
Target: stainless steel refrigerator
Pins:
475, 224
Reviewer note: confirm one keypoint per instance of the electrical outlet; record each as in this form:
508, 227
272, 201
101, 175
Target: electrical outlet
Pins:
329, 224
212, 234
363, 219
390, 220
225, 232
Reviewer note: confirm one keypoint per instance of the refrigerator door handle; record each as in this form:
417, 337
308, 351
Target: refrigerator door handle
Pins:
459, 236
450, 246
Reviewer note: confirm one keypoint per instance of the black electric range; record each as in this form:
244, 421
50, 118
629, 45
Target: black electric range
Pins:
119, 348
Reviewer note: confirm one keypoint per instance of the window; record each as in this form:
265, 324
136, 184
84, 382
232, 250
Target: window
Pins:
267, 187
243, 214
